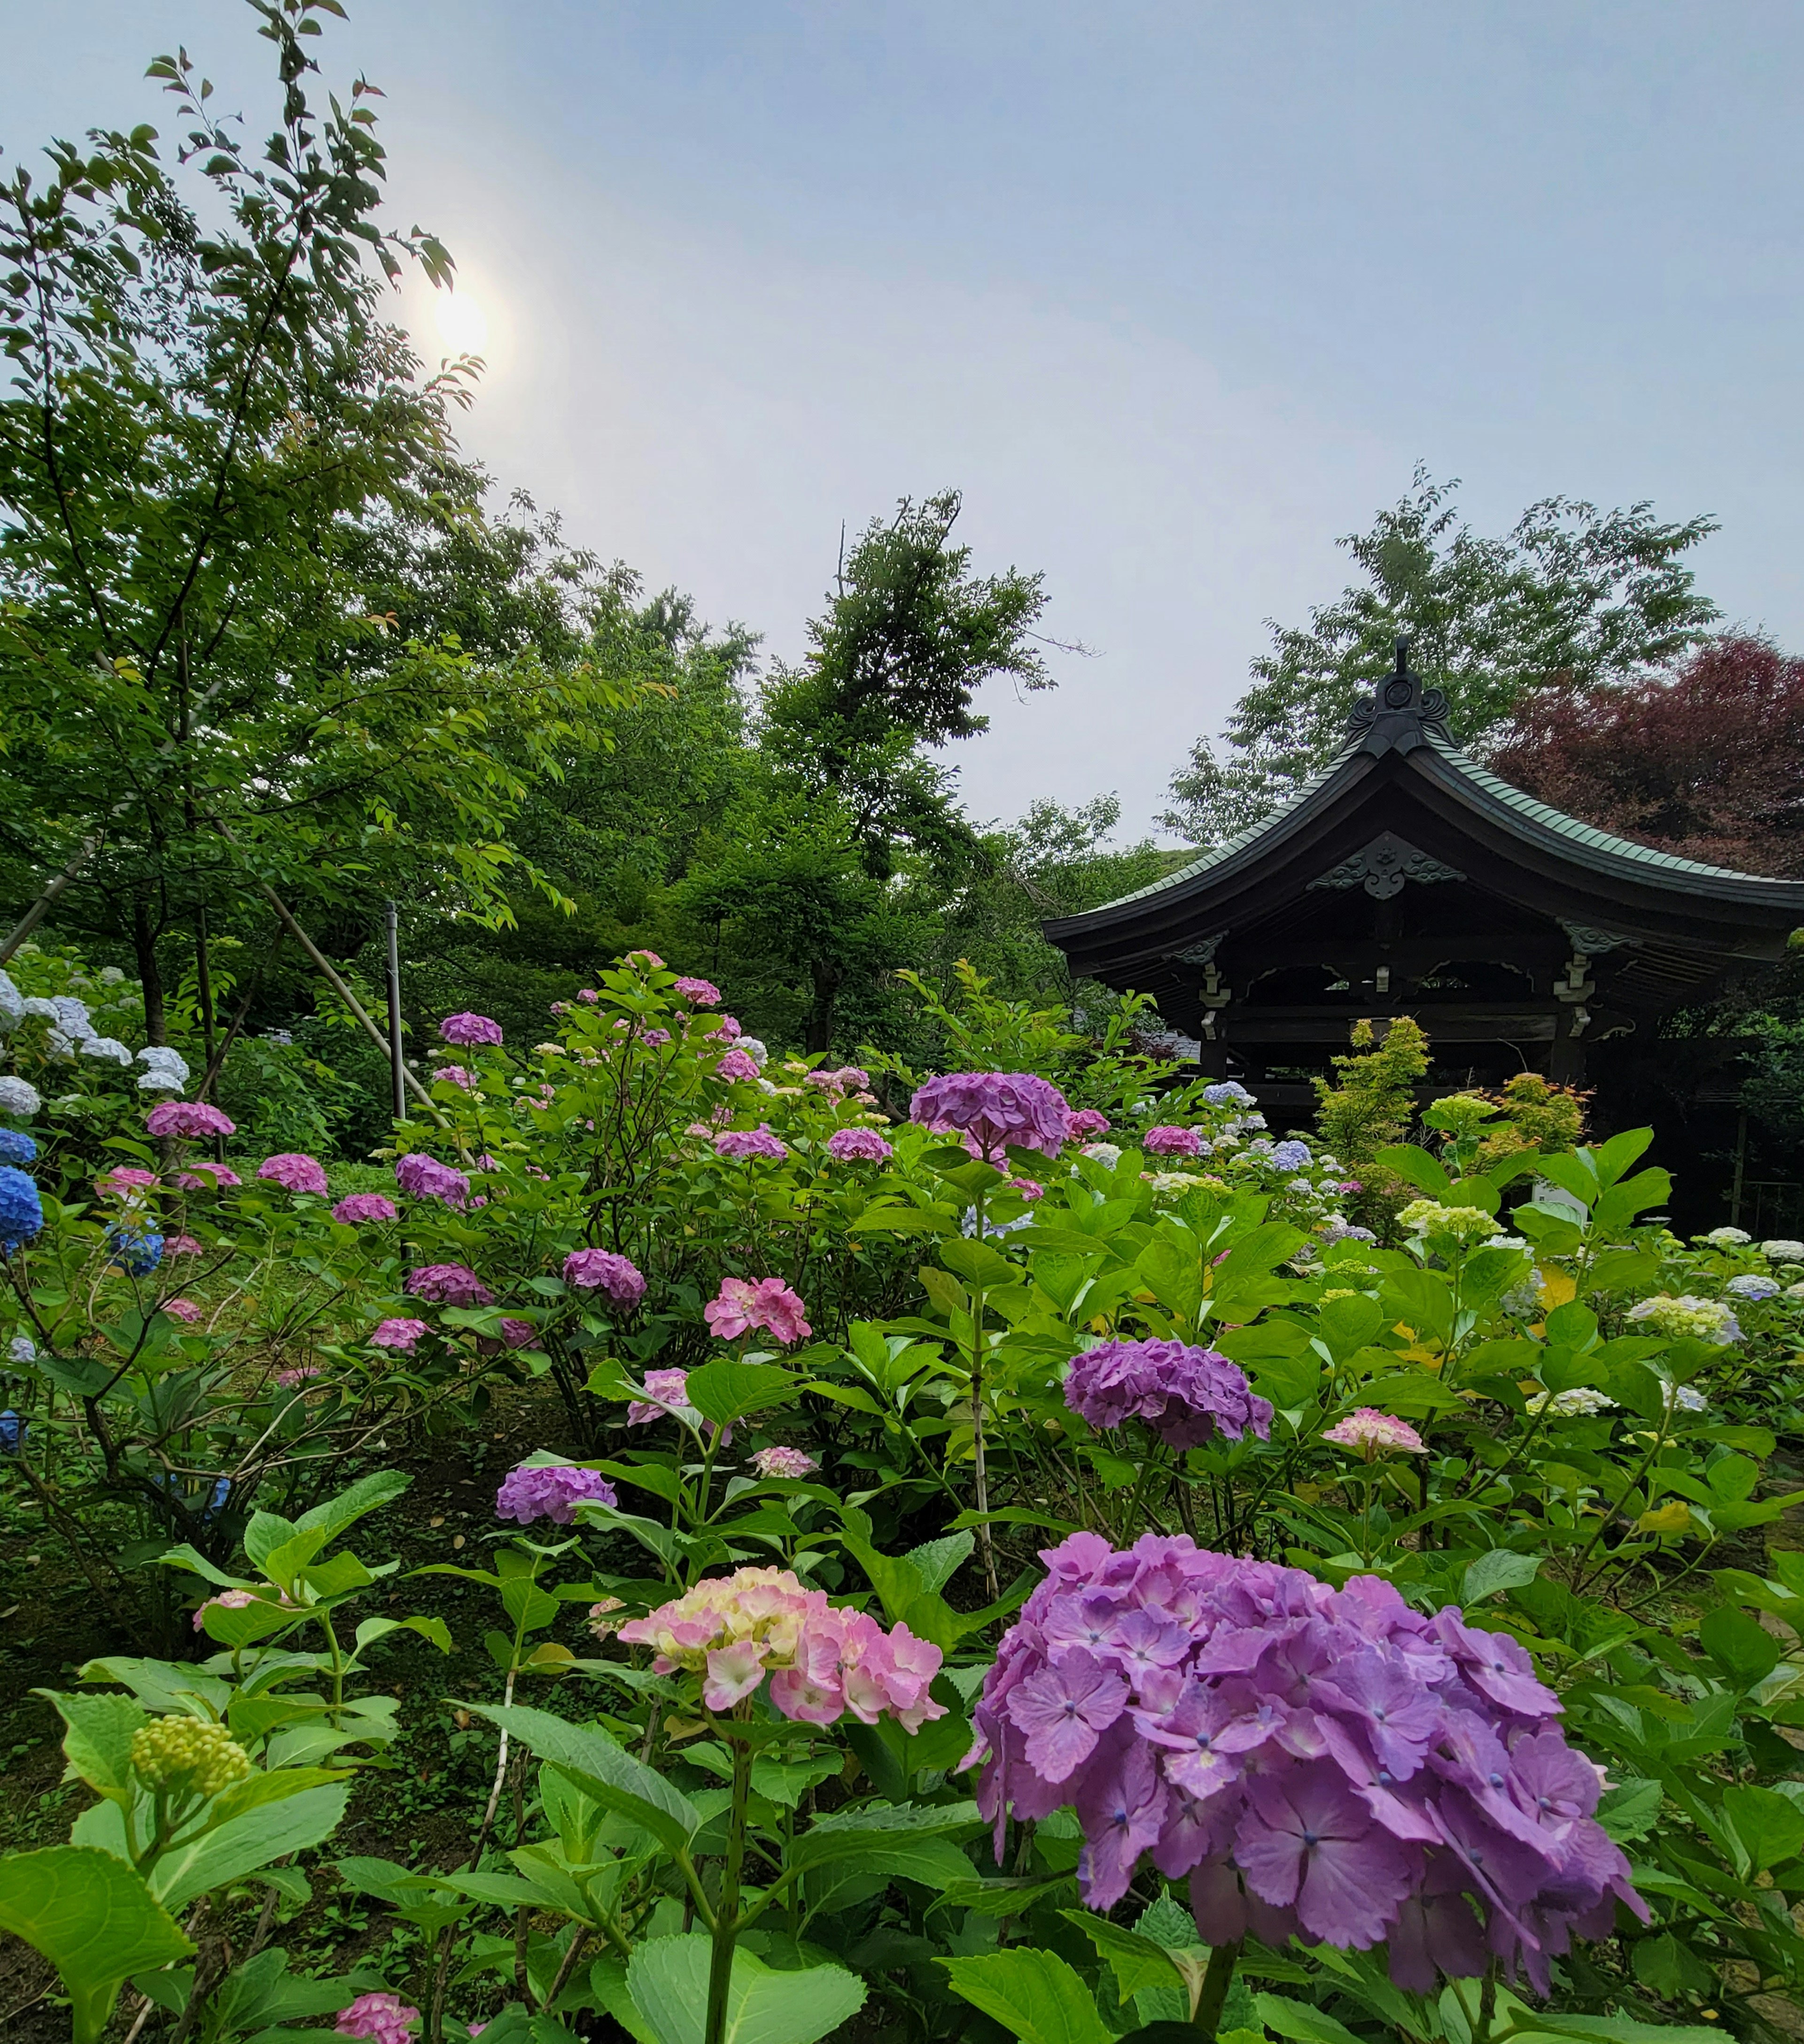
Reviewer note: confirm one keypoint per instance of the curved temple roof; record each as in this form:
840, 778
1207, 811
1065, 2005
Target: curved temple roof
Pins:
1401, 777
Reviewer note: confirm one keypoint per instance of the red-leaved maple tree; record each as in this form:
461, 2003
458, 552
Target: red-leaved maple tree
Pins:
1706, 760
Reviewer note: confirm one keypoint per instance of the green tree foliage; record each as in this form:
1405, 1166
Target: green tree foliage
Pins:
1571, 596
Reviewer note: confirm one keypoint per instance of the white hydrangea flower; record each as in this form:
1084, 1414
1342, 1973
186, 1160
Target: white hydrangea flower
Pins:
1686, 1397
1727, 1238
1794, 1291
753, 1049
160, 1057
1783, 1250
110, 975
72, 1015
22, 1348
1581, 1399
18, 1096
57, 1045
160, 1080
107, 1047
1465, 1225
1108, 1154
35, 1004
1171, 1181
12, 1004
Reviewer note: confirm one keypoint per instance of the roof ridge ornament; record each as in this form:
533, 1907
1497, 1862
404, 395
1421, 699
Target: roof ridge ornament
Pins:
1400, 713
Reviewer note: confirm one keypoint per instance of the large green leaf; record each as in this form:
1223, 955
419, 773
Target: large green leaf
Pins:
602, 1769
1034, 1994
242, 1844
1499, 1570
667, 1979
727, 1390
1300, 2021
97, 1739
1137, 1962
94, 1919
1771, 1827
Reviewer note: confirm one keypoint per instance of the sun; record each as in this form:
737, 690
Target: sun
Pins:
463, 326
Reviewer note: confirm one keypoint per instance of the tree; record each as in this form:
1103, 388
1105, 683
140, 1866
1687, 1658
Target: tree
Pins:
1571, 597
846, 830
1705, 760
217, 457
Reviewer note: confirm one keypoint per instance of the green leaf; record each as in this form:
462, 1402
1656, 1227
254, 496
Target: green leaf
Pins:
1739, 1645
1630, 1810
1770, 1825
1500, 1569
368, 1494
937, 1561
602, 1769
94, 1919
1137, 1962
667, 1978
1413, 1164
1298, 2020
242, 1844
728, 1390
98, 1741
1611, 2030
1034, 1994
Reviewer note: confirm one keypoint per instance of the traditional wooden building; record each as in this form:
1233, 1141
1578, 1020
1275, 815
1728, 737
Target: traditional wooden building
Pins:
1406, 879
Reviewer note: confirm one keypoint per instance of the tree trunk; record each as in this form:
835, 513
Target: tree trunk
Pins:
820, 1018
143, 942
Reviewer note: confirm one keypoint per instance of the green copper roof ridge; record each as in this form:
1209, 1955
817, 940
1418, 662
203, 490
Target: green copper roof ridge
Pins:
1577, 832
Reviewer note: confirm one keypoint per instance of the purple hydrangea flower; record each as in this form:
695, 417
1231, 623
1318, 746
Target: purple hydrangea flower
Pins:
424, 1178
863, 1146
759, 1142
552, 1492
998, 1111
1322, 1763
449, 1285
470, 1029
1168, 1140
601, 1270
360, 1207
1187, 1395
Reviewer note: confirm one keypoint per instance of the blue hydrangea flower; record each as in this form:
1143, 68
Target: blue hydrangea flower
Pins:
1291, 1156
1226, 1091
15, 1147
22, 1211
138, 1254
12, 1432
1752, 1285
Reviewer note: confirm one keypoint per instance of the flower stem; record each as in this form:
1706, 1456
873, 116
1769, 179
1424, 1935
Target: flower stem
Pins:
727, 1911
1215, 1983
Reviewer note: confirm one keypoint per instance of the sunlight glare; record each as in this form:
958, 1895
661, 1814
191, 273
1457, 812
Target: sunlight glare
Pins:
462, 325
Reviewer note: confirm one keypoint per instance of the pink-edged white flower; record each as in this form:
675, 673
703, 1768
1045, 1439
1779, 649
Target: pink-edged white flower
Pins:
1375, 1433
792, 1464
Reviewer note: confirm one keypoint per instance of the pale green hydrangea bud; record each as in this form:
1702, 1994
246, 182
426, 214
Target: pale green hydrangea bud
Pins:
1465, 1225
183, 1754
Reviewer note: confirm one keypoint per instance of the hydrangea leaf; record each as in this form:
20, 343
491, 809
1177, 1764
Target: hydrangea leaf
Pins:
1034, 1994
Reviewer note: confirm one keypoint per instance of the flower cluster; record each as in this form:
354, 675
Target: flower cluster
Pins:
697, 993
424, 1178
736, 1063
378, 2018
666, 1397
294, 1172
188, 1119
402, 1334
1687, 1317
742, 1305
136, 1251
1325, 1763
1581, 1401
165, 1070
449, 1285
998, 1111
822, 1661
360, 1208
188, 1756
468, 1029
19, 1097
1753, 1285
759, 1142
1187, 1395
792, 1463
1727, 1238
1087, 1123
1783, 1250
1466, 1225
1375, 1433
16, 1147
1168, 1140
863, 1146
552, 1491
204, 1176
601, 1270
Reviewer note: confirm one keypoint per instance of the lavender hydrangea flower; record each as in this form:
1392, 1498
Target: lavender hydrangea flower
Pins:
601, 1270
470, 1029
358, 1209
759, 1142
553, 1492
16, 1147
998, 1111
1187, 1395
19, 1097
424, 1178
449, 1285
863, 1146
1753, 1285
1294, 1155
1322, 1763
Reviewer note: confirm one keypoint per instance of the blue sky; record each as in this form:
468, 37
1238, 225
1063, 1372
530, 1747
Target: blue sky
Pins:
1176, 293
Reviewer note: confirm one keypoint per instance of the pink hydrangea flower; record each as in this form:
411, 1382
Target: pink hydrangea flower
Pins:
294, 1172
848, 1078
1167, 1141
188, 1119
726, 1026
863, 1146
457, 1075
380, 2018
601, 1270
229, 1600
123, 1181
289, 1380
1375, 1433
655, 1039
823, 1661
792, 1463
646, 961
449, 1285
424, 1178
666, 1397
700, 992
1087, 1124
470, 1029
182, 1309
759, 1142
588, 994
699, 1128
361, 1208
997, 1111
737, 1064
402, 1334
742, 1304
182, 1245
1030, 1188
202, 1177
550, 1491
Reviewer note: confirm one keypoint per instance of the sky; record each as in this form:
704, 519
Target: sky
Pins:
1175, 294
